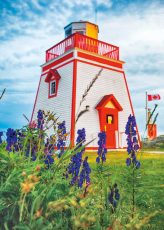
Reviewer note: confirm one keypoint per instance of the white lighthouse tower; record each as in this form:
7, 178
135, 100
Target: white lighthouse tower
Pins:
70, 67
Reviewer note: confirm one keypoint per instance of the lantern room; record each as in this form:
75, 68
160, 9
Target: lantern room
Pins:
82, 27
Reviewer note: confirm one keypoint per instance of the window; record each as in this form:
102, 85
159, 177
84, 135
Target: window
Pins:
52, 88
68, 32
80, 32
52, 79
109, 119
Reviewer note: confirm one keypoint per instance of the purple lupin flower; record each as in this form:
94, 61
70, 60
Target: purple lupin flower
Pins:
1, 134
76, 160
128, 161
49, 146
40, 122
84, 174
11, 139
20, 138
132, 142
49, 150
31, 149
114, 196
49, 160
61, 138
102, 150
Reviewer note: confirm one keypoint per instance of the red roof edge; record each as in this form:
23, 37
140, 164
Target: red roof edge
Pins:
52, 73
106, 99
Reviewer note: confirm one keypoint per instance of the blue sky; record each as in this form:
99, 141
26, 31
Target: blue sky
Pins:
30, 27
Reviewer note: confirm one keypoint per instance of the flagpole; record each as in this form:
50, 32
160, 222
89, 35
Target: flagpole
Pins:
146, 108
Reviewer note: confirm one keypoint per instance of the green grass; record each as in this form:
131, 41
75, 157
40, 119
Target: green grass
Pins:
151, 183
65, 207
156, 149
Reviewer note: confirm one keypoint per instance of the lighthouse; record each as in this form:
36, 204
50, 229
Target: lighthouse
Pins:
69, 70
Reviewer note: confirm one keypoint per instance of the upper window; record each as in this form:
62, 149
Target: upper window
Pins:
52, 88
80, 32
109, 119
52, 79
68, 32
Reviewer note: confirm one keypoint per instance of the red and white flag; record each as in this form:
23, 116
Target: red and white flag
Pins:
152, 97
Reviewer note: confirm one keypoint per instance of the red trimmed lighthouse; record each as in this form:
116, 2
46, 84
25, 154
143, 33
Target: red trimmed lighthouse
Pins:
69, 68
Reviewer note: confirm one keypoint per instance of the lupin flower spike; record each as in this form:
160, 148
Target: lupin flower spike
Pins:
102, 150
132, 142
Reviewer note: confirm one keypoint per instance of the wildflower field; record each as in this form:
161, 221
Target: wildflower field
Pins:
46, 185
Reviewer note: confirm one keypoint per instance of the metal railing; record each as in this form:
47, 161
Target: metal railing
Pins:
85, 43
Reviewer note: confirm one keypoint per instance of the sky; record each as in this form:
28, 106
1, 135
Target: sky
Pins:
29, 27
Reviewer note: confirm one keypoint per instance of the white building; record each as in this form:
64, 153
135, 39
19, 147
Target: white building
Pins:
70, 67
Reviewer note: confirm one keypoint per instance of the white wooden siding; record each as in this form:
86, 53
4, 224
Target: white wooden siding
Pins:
61, 104
110, 82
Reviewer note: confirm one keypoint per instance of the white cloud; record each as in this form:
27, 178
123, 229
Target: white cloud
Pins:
138, 31
140, 35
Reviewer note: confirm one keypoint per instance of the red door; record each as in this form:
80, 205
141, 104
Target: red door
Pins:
108, 109
110, 139
111, 126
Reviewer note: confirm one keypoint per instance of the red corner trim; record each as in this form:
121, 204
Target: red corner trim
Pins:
98, 59
66, 63
36, 99
90, 63
65, 58
72, 134
131, 107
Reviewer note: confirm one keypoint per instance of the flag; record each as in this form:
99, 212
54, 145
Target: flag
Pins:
154, 121
151, 114
152, 97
